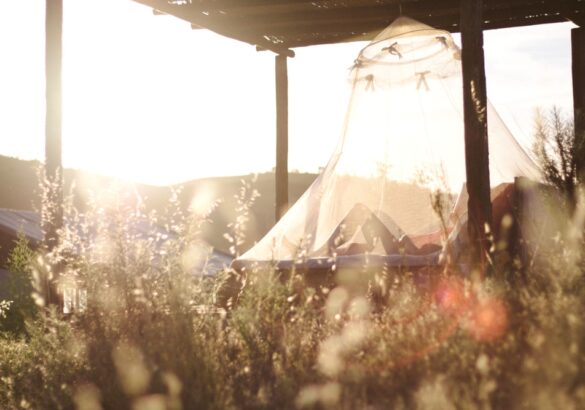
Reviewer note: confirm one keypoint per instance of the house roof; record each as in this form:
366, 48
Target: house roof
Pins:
14, 221
279, 25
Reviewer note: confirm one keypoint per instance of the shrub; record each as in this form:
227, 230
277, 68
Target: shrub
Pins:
41, 371
560, 151
19, 288
151, 337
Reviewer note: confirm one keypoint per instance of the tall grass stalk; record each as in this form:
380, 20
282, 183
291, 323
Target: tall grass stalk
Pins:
151, 338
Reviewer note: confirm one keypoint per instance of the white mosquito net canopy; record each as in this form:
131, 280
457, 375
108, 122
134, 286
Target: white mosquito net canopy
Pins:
402, 141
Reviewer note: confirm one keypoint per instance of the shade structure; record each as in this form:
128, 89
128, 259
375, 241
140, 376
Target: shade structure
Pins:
394, 188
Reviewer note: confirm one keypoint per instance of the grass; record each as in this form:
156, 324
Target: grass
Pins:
150, 337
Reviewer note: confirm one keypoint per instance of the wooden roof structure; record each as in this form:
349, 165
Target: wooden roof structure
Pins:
280, 25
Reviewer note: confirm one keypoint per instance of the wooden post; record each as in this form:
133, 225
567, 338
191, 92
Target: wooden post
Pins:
52, 218
53, 53
281, 172
476, 131
578, 51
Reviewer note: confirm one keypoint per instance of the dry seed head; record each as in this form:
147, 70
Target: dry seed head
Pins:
150, 402
329, 360
336, 301
132, 371
354, 333
87, 397
327, 395
359, 308
203, 200
483, 364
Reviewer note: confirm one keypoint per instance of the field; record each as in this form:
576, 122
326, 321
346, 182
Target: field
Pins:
147, 334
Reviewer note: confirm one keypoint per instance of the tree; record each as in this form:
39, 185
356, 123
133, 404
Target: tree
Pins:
20, 288
561, 154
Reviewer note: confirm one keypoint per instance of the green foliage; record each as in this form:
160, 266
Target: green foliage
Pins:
19, 288
151, 336
560, 152
41, 372
272, 335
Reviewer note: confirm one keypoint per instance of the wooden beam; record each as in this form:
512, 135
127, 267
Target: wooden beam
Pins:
200, 18
298, 37
289, 6
578, 52
476, 131
447, 23
354, 26
274, 19
285, 52
343, 24
53, 118
281, 172
282, 24
578, 56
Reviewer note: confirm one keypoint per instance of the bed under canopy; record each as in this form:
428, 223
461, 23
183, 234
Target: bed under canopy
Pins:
393, 191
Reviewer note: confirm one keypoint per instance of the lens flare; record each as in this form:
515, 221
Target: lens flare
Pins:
450, 296
489, 320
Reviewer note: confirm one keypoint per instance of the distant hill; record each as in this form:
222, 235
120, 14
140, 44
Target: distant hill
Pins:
19, 183
226, 188
20, 190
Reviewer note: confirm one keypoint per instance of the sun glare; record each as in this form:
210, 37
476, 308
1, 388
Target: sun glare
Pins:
147, 98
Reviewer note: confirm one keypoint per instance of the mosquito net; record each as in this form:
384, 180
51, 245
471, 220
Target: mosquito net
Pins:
395, 184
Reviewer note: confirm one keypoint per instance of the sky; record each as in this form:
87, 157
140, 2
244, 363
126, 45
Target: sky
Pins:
148, 99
